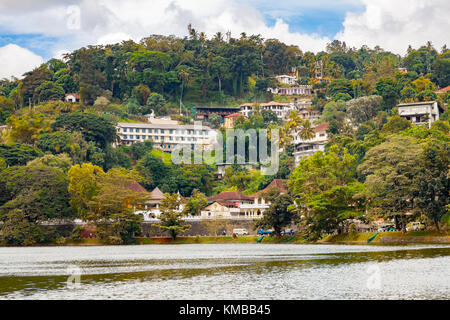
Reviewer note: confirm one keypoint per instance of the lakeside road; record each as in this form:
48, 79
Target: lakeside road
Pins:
226, 271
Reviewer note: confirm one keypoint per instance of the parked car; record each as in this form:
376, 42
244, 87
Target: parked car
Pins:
262, 232
240, 232
288, 232
415, 226
387, 228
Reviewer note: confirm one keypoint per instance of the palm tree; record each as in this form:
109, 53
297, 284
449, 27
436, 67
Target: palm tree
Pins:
184, 76
307, 131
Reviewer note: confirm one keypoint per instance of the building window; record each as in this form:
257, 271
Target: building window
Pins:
131, 137
162, 131
150, 130
137, 130
138, 137
131, 130
125, 137
125, 130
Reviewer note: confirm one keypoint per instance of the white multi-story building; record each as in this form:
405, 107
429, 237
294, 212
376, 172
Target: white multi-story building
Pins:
301, 90
420, 113
165, 136
283, 110
306, 148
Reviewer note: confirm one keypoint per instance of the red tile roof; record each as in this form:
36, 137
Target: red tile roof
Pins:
230, 196
235, 115
76, 95
136, 187
322, 127
443, 90
275, 184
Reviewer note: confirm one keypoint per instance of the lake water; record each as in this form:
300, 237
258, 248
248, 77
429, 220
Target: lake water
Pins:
231, 271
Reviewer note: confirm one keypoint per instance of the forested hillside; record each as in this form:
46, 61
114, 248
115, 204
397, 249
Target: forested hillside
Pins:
57, 159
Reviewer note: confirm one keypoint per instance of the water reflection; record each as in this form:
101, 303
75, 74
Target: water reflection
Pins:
238, 271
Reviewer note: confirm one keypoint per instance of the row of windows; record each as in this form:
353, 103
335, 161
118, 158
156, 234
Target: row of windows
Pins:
163, 131
138, 137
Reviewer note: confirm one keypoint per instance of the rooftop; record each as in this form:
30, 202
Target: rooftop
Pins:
136, 187
229, 196
161, 126
322, 127
275, 184
235, 115
415, 103
273, 103
447, 88
217, 108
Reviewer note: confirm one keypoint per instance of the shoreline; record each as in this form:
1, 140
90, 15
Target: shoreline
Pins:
388, 238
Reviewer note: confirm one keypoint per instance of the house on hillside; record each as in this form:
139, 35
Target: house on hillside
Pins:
151, 210
443, 90
420, 113
231, 119
305, 148
281, 109
72, 97
287, 79
233, 205
203, 113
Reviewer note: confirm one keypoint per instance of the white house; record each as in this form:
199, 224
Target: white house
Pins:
72, 97
306, 148
303, 90
286, 79
233, 205
420, 113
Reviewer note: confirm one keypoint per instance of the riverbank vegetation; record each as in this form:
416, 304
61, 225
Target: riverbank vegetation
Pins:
58, 160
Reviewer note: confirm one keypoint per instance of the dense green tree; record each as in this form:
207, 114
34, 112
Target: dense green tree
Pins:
326, 190
92, 127
18, 154
432, 181
195, 204
278, 216
364, 109
50, 91
387, 89
389, 170
171, 215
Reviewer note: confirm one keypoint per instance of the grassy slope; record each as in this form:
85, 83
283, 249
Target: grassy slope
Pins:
423, 236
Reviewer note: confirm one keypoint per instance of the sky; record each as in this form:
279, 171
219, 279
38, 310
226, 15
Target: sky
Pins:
32, 32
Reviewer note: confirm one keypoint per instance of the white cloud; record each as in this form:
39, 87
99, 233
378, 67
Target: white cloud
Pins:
115, 20
393, 25
15, 61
